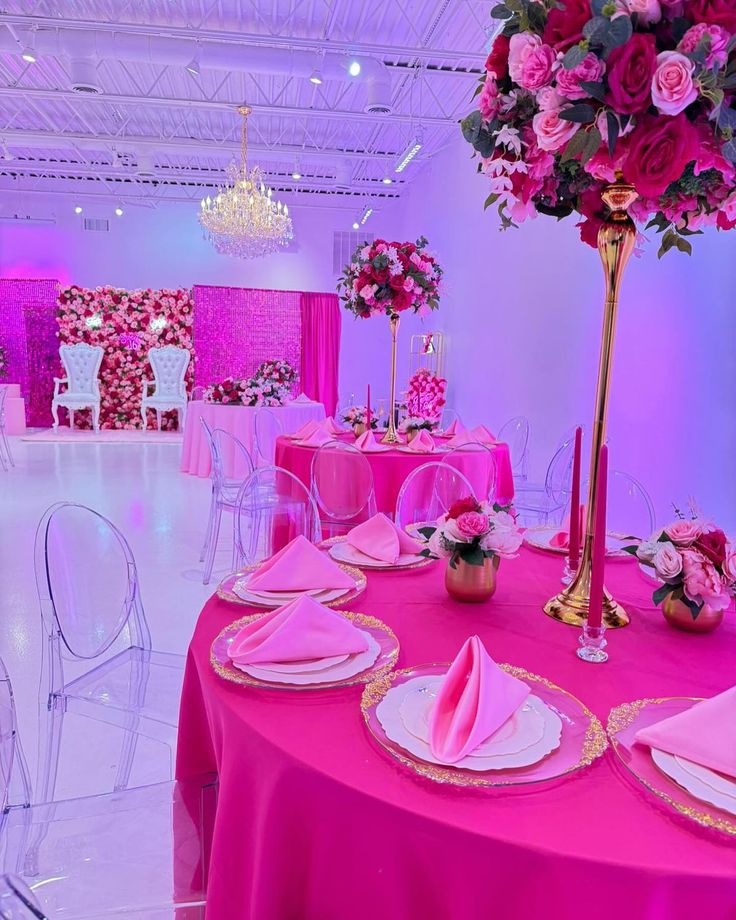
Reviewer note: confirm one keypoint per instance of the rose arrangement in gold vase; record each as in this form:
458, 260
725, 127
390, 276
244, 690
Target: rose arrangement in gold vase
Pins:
473, 536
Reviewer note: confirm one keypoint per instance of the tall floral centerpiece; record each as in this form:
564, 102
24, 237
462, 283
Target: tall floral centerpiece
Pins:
389, 278
616, 111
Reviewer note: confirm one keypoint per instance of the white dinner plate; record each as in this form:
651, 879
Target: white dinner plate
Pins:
279, 598
405, 449
307, 666
683, 772
540, 537
344, 552
353, 664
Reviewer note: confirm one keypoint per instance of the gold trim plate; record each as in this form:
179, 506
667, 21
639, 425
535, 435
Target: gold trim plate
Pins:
225, 593
624, 718
593, 743
421, 564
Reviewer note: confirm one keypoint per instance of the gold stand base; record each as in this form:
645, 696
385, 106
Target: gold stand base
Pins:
391, 437
573, 610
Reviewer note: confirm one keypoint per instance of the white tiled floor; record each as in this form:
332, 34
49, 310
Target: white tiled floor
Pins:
162, 512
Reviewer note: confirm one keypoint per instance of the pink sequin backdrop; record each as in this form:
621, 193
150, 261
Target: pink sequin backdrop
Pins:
236, 329
28, 332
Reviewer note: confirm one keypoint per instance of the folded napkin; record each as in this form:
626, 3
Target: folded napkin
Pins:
422, 442
705, 733
482, 435
298, 631
331, 426
561, 539
299, 566
367, 442
462, 438
381, 539
474, 701
306, 429
302, 398
317, 438
455, 427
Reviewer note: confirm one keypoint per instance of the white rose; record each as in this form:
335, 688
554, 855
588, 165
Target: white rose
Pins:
667, 561
647, 550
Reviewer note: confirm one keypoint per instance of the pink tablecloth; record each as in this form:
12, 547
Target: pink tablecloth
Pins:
237, 420
391, 468
317, 822
15, 410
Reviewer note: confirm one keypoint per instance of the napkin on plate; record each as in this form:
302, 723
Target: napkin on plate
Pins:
367, 442
705, 733
381, 539
317, 438
561, 539
306, 429
455, 427
422, 442
299, 566
482, 435
462, 438
331, 426
474, 701
299, 631
302, 398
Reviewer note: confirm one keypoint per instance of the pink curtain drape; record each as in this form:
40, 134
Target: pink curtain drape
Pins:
320, 348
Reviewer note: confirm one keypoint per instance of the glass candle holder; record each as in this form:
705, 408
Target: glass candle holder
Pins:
593, 644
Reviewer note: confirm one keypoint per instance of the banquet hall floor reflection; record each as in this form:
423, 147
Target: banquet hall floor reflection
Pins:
162, 514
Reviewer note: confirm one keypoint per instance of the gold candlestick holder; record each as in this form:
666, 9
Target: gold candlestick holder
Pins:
616, 240
391, 436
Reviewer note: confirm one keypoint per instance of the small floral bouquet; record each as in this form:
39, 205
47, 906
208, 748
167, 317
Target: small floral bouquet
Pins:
3, 362
270, 386
473, 531
695, 562
417, 422
277, 372
425, 397
389, 278
356, 415
229, 392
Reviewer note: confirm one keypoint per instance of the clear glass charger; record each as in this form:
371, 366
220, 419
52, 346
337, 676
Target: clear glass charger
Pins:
383, 635
539, 537
226, 593
376, 567
583, 738
624, 722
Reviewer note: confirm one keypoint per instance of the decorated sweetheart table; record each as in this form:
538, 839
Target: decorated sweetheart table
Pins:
317, 821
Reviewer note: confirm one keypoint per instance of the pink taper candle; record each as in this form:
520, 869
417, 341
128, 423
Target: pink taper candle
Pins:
368, 409
595, 607
574, 551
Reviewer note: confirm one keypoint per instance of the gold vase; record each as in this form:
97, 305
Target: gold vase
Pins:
678, 616
411, 433
616, 239
391, 436
472, 584
360, 429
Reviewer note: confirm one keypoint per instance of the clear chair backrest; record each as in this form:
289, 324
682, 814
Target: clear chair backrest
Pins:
3, 394
448, 417
268, 427
629, 508
87, 580
229, 452
477, 463
81, 364
169, 365
342, 481
17, 901
273, 507
558, 478
14, 780
515, 433
429, 491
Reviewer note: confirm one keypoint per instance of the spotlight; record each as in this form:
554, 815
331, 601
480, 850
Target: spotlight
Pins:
387, 180
119, 211
412, 149
354, 68
193, 67
316, 77
78, 209
296, 172
366, 214
28, 55
356, 225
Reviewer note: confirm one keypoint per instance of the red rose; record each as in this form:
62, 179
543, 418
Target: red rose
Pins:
630, 71
396, 283
659, 150
590, 205
564, 28
462, 506
381, 276
713, 545
401, 301
714, 12
497, 61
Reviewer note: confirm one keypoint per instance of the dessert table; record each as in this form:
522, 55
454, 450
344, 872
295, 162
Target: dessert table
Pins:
15, 409
239, 421
315, 821
391, 467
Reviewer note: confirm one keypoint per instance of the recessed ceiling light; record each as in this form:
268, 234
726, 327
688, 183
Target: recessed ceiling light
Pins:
316, 78
119, 211
78, 209
354, 68
28, 55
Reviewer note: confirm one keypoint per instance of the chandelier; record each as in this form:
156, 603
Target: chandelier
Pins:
243, 219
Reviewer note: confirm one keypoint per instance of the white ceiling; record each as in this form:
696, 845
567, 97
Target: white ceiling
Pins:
60, 141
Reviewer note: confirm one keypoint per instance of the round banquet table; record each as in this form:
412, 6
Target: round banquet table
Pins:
390, 468
315, 821
239, 421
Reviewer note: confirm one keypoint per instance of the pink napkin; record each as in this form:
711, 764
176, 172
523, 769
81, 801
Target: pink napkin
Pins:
331, 426
422, 443
462, 438
367, 442
298, 631
317, 438
305, 431
482, 435
705, 733
299, 566
561, 539
455, 427
475, 699
381, 539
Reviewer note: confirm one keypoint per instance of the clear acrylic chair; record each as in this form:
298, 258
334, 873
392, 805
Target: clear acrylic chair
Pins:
547, 505
629, 508
273, 507
124, 854
448, 417
428, 491
6, 458
268, 427
169, 365
92, 613
225, 451
515, 433
342, 486
477, 463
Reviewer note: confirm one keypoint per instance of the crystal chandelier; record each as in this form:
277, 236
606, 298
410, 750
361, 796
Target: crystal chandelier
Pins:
243, 219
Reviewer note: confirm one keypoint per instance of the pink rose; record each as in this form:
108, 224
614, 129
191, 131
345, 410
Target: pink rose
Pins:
548, 98
589, 70
472, 524
489, 101
729, 564
521, 46
537, 68
649, 11
667, 561
719, 39
673, 88
552, 132
503, 542
683, 533
702, 582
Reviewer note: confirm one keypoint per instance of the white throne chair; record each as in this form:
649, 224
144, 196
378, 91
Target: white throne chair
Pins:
82, 367
169, 367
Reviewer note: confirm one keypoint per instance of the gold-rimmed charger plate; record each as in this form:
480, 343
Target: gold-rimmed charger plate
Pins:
419, 564
582, 741
624, 721
383, 634
225, 588
538, 536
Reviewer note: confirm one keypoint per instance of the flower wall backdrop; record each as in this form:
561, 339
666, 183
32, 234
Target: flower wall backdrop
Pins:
126, 324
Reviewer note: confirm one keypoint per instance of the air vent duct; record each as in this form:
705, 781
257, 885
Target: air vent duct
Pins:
96, 224
84, 76
379, 97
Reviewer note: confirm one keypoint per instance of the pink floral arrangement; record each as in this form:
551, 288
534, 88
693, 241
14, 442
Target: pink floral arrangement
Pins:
425, 397
126, 324
473, 531
577, 92
270, 386
390, 278
3, 362
356, 415
694, 560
